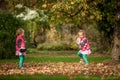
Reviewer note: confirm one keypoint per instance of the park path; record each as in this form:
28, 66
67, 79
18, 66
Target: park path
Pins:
102, 69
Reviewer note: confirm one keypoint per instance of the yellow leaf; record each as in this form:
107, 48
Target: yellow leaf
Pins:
86, 7
91, 17
72, 2
54, 6
83, 0
44, 5
83, 13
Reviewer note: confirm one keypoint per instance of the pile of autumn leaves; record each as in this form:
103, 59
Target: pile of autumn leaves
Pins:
61, 68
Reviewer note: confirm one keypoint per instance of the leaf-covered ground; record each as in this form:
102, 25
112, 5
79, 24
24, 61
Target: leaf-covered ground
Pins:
102, 69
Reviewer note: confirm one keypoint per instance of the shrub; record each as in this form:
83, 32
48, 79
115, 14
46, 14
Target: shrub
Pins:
57, 46
8, 26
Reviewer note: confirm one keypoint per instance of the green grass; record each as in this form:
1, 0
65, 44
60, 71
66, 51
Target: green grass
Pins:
34, 77
57, 59
55, 77
81, 77
56, 56
66, 59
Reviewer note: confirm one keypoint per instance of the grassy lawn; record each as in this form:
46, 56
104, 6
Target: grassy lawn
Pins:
55, 77
56, 56
57, 59
34, 77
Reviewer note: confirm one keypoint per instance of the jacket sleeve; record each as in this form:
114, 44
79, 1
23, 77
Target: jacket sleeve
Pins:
82, 44
19, 42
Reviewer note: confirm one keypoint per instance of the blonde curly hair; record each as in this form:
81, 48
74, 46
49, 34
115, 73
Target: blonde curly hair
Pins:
81, 31
20, 31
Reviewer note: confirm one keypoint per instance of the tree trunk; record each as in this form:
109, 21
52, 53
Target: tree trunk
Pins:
116, 46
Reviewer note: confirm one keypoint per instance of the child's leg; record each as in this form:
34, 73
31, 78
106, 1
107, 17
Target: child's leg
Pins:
79, 54
21, 58
85, 58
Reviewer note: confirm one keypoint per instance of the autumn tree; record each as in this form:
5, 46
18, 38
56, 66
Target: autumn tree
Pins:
116, 47
101, 11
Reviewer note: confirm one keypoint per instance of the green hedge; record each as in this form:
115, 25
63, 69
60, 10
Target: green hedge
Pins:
8, 26
57, 46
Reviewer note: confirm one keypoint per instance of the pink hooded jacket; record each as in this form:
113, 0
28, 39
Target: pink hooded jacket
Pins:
20, 42
84, 44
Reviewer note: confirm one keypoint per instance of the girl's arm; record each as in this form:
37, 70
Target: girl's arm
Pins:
83, 43
78, 41
19, 42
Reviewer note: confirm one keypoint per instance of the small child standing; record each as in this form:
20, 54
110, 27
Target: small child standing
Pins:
84, 46
20, 46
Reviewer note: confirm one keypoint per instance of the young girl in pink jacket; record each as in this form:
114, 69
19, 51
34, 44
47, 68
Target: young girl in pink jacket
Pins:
84, 46
20, 46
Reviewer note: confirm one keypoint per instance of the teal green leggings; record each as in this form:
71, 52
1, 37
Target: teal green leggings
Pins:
21, 60
83, 56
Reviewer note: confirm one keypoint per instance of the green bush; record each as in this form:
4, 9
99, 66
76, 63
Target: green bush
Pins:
8, 26
57, 46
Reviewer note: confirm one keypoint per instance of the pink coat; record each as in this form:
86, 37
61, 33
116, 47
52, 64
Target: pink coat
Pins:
20, 42
84, 44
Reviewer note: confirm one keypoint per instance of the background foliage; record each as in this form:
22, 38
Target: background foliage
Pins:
49, 22
8, 26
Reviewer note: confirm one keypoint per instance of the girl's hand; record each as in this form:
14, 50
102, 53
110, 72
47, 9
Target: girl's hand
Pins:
22, 48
